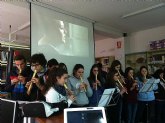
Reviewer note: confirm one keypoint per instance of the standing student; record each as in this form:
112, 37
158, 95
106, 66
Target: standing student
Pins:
102, 72
160, 96
80, 87
38, 63
116, 65
96, 82
146, 100
114, 111
131, 97
54, 90
19, 76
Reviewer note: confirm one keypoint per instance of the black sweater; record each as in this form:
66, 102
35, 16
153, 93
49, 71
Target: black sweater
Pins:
160, 95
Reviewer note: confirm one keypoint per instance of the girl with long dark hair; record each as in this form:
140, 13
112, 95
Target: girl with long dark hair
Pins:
114, 112
131, 97
54, 89
96, 82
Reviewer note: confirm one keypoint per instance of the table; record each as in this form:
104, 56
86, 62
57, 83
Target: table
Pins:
53, 119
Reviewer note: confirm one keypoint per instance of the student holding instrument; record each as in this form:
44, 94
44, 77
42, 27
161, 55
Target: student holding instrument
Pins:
114, 112
131, 97
96, 82
38, 64
160, 96
55, 91
19, 76
146, 100
116, 65
80, 87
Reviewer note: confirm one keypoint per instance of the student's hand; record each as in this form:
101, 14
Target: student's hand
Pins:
37, 82
82, 86
123, 90
69, 92
21, 79
98, 82
94, 85
28, 84
14, 81
72, 97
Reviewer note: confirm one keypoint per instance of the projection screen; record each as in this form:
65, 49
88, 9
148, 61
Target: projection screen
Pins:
63, 37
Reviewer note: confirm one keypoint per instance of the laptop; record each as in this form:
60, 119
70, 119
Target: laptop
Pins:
8, 111
85, 115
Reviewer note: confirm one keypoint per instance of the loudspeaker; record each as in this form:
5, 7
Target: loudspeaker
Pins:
124, 34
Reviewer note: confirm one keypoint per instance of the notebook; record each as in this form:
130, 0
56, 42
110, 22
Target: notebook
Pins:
85, 115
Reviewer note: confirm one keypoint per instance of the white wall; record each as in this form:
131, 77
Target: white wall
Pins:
139, 41
108, 47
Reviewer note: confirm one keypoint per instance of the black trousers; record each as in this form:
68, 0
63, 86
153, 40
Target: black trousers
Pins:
145, 112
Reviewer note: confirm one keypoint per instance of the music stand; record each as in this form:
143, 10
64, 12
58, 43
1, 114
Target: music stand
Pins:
106, 97
147, 87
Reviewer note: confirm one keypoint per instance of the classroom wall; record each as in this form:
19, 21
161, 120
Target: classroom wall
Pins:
108, 47
139, 41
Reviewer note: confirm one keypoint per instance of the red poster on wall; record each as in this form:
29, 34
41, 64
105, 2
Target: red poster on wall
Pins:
118, 44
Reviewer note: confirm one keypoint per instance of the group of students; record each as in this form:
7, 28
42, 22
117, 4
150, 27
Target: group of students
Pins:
50, 82
133, 104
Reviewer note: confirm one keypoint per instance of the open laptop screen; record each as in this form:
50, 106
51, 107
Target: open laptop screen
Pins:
85, 115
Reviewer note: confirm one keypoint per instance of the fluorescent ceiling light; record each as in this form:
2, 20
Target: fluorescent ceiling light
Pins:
144, 10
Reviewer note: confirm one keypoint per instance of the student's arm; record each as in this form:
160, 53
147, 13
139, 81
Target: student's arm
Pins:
88, 89
52, 96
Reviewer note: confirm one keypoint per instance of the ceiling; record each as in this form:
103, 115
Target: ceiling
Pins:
16, 16
110, 12
106, 12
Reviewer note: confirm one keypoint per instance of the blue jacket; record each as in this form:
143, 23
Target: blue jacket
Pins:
147, 95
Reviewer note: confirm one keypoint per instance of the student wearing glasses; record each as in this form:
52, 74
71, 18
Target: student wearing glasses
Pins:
19, 76
80, 87
96, 82
38, 64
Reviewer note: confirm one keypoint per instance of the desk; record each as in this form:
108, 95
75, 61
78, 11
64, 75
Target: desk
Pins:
53, 119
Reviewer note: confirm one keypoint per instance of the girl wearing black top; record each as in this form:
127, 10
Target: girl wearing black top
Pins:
114, 112
96, 82
131, 97
160, 97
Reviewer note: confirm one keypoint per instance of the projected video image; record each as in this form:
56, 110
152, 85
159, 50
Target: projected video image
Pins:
62, 37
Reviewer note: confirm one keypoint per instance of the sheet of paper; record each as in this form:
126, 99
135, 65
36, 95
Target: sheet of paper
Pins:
106, 97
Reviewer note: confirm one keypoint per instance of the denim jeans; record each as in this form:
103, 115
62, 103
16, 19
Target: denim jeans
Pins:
131, 112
